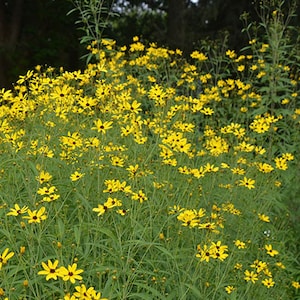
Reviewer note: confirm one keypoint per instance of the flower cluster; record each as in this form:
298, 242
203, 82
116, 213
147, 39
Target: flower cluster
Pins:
146, 168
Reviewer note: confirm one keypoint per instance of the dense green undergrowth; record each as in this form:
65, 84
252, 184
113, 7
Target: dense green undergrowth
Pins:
147, 176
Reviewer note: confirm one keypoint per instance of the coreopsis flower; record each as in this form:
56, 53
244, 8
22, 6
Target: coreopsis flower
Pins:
288, 156
50, 198
36, 216
208, 226
280, 265
87, 102
272, 252
240, 244
203, 253
70, 297
76, 176
47, 190
140, 196
259, 265
247, 182
102, 126
101, 209
50, 270
264, 167
241, 68
61, 93
210, 168
231, 54
268, 282
44, 177
229, 289
83, 293
260, 125
218, 251
132, 171
198, 55
5, 256
238, 171
264, 218
117, 161
217, 145
122, 212
189, 218
250, 276
175, 209
112, 202
134, 107
296, 284
71, 273
126, 130
17, 210
207, 111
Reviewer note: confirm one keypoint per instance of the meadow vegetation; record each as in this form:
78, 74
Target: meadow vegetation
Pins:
152, 176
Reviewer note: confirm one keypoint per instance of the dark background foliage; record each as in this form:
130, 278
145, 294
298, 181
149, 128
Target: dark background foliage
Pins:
40, 32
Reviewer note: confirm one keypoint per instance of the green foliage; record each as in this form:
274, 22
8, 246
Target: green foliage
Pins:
149, 176
94, 18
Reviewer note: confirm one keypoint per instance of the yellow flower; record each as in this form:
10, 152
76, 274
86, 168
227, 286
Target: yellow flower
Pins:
47, 190
229, 289
218, 251
207, 111
50, 270
122, 212
76, 176
204, 253
281, 163
238, 266
132, 170
240, 244
268, 282
280, 265
71, 273
247, 182
83, 293
264, 218
117, 161
288, 156
5, 256
36, 216
264, 47
17, 210
189, 218
101, 209
199, 56
296, 284
139, 196
261, 74
231, 54
112, 202
241, 68
250, 276
264, 167
102, 126
272, 252
43, 177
